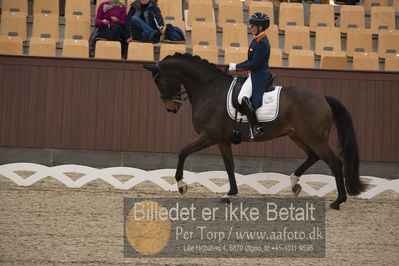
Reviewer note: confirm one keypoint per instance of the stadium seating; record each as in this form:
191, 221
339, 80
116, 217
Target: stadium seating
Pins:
46, 7
75, 48
392, 63
382, 18
170, 49
14, 23
359, 41
296, 37
203, 33
321, 16
45, 24
301, 58
75, 26
264, 7
276, 57
209, 53
11, 45
352, 17
140, 51
108, 50
333, 60
235, 54
171, 9
272, 35
15, 6
201, 11
365, 61
368, 4
327, 39
77, 9
230, 11
42, 46
388, 43
290, 14
235, 35
396, 5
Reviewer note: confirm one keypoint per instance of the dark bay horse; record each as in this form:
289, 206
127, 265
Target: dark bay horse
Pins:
304, 115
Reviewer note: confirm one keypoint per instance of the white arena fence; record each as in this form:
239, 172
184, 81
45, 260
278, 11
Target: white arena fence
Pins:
89, 174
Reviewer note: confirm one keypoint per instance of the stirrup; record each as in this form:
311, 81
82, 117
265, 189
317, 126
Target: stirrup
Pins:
255, 131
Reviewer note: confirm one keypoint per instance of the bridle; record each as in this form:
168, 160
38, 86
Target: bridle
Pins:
177, 97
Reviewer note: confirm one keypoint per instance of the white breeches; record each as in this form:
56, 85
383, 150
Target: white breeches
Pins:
246, 90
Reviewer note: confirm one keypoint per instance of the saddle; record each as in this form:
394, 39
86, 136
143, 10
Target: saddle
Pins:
237, 88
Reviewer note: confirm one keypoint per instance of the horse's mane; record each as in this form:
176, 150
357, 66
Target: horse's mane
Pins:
195, 58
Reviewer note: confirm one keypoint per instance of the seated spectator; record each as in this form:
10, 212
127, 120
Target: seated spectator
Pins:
144, 22
110, 19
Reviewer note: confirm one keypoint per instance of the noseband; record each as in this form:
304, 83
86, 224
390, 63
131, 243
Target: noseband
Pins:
170, 97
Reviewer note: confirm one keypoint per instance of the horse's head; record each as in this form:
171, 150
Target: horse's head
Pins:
169, 87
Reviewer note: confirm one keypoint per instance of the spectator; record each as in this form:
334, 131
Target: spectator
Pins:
144, 22
110, 19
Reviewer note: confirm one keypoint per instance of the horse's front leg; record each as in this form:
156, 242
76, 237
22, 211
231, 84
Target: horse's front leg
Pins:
225, 149
201, 143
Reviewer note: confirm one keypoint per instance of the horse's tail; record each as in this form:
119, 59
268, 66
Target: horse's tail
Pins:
349, 150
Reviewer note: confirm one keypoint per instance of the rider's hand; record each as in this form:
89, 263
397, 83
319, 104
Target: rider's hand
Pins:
232, 67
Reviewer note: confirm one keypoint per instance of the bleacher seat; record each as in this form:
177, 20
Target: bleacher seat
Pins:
42, 46
396, 5
170, 49
365, 61
177, 23
203, 33
272, 35
382, 18
235, 35
235, 54
276, 57
14, 23
327, 39
388, 43
333, 60
368, 4
230, 11
98, 3
75, 48
108, 50
351, 17
392, 63
77, 9
321, 16
171, 9
77, 27
296, 37
45, 24
11, 45
200, 10
140, 51
264, 7
46, 7
359, 41
301, 58
209, 53
15, 6
291, 14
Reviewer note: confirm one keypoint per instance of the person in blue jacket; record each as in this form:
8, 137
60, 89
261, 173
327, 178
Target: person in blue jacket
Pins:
251, 95
144, 22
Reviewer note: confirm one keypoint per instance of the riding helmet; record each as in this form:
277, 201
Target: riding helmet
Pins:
260, 19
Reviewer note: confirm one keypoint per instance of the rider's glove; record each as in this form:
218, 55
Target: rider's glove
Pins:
232, 67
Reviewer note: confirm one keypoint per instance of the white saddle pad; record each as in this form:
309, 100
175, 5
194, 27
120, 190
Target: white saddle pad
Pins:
266, 113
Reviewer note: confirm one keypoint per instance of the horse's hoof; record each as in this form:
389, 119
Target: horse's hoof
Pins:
182, 187
225, 200
334, 205
296, 189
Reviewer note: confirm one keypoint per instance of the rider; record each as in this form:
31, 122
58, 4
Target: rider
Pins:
257, 64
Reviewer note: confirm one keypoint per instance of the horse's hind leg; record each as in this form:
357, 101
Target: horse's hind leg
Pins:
312, 159
335, 164
201, 143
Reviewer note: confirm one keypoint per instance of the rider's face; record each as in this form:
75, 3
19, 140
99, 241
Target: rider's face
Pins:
254, 30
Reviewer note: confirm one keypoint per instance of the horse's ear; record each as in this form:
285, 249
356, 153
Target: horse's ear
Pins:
150, 67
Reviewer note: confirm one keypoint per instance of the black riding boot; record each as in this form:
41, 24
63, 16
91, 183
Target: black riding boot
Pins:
255, 129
